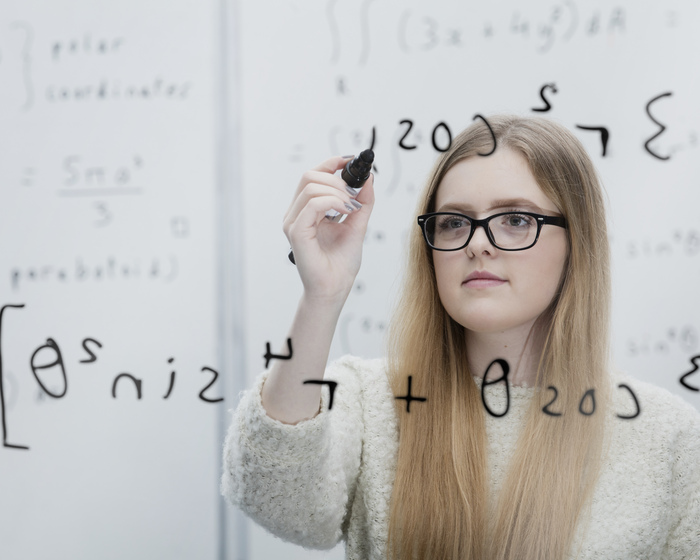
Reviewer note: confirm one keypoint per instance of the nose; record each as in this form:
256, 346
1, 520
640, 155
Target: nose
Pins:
480, 242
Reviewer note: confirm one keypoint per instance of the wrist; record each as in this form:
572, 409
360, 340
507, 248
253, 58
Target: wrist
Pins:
325, 302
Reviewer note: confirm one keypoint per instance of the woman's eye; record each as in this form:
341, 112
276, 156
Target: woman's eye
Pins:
452, 223
518, 220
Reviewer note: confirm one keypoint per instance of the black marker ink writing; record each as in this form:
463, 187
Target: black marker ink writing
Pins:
646, 144
50, 343
506, 369
545, 408
401, 140
449, 137
172, 380
696, 366
636, 402
547, 106
93, 357
331, 387
604, 134
2, 390
137, 384
409, 397
270, 356
201, 393
493, 136
590, 393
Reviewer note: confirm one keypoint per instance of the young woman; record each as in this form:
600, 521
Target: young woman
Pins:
527, 445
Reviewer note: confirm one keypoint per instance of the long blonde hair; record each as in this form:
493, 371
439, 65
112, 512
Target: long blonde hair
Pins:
440, 501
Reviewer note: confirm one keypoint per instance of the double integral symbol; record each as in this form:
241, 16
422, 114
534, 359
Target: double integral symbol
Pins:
587, 404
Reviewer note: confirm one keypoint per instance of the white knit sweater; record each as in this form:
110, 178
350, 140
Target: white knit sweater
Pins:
330, 477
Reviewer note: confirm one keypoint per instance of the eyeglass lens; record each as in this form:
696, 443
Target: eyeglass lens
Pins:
509, 231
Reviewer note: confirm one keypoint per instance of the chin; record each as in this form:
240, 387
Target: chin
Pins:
485, 324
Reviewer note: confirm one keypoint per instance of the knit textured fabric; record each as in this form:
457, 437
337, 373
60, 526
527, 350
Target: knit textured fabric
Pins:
330, 478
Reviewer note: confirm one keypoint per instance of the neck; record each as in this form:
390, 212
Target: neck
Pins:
520, 347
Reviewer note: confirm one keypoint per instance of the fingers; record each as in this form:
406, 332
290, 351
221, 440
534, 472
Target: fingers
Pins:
331, 165
322, 178
310, 207
313, 213
320, 190
315, 190
321, 175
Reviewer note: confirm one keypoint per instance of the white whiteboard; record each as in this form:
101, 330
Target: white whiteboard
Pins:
108, 240
317, 77
184, 124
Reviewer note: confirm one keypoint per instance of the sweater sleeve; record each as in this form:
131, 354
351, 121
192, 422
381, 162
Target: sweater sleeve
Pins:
297, 481
684, 537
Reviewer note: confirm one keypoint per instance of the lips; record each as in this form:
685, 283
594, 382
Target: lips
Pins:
482, 275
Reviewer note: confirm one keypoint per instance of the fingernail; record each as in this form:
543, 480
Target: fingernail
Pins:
350, 208
348, 157
356, 204
352, 192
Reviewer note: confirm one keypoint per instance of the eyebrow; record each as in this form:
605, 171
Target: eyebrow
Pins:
496, 204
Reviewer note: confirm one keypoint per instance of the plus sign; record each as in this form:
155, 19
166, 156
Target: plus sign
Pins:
408, 397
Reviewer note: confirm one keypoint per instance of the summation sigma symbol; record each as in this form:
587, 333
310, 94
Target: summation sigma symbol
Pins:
441, 136
604, 132
90, 346
696, 367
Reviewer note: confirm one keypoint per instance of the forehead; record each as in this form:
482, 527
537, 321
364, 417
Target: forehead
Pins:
483, 183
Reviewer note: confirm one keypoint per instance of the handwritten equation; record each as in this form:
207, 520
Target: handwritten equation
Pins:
28, 58
427, 32
50, 372
680, 339
410, 135
80, 177
161, 268
564, 21
679, 242
587, 404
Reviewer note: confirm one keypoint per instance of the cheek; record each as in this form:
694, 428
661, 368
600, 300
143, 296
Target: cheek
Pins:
445, 271
546, 272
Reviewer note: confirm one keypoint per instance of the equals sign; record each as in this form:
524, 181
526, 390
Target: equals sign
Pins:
28, 177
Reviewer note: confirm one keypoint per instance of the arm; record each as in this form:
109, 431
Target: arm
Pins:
288, 466
297, 481
328, 257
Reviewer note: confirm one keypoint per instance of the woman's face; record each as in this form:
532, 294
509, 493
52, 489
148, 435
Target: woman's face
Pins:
480, 187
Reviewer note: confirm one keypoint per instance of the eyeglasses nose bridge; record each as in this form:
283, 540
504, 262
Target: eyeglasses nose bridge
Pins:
484, 224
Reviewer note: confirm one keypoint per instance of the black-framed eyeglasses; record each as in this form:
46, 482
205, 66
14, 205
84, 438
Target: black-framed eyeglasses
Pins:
507, 231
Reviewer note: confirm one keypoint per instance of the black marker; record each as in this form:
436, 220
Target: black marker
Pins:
355, 174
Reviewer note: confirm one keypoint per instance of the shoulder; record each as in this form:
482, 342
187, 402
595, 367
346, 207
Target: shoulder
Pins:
657, 403
663, 417
363, 385
357, 364
359, 374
